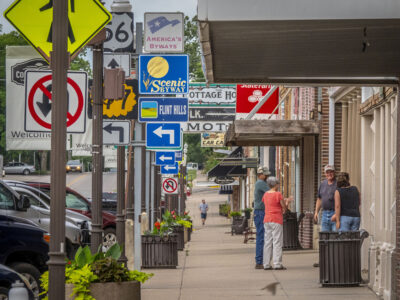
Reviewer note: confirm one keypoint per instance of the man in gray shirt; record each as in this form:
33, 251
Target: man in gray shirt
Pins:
326, 200
259, 213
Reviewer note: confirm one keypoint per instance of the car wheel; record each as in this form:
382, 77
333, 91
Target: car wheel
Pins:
26, 172
110, 238
31, 273
3, 293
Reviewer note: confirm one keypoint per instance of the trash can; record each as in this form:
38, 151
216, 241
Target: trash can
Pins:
291, 231
340, 258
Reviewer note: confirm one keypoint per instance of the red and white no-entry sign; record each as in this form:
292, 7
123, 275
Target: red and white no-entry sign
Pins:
38, 101
170, 185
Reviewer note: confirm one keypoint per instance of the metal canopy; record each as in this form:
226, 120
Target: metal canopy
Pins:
269, 132
301, 41
222, 170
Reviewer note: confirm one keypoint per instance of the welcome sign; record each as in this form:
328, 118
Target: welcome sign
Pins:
163, 74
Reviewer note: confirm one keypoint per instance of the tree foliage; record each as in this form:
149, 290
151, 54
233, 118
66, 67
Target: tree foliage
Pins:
192, 48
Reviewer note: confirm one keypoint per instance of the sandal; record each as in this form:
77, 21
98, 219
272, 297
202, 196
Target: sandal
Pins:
280, 268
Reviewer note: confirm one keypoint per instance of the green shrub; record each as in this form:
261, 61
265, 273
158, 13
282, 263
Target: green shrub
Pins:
235, 214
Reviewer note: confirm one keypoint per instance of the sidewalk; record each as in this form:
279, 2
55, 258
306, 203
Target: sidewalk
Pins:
216, 265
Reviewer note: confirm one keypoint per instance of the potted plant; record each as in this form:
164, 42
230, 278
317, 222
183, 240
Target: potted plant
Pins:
224, 209
99, 276
247, 212
239, 222
159, 247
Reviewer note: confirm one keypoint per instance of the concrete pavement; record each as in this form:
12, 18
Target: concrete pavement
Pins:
216, 265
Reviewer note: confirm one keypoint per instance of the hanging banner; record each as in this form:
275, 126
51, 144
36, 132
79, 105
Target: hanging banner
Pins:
18, 60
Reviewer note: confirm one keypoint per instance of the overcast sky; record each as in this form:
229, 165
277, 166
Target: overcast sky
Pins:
188, 7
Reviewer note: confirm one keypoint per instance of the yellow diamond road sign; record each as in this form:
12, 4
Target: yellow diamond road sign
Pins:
34, 18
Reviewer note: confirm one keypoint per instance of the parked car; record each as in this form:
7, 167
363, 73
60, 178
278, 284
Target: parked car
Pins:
32, 210
74, 166
109, 202
18, 168
24, 248
76, 202
192, 166
7, 278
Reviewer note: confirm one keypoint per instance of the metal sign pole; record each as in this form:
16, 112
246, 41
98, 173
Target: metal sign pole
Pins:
147, 184
138, 154
121, 201
97, 148
152, 189
59, 65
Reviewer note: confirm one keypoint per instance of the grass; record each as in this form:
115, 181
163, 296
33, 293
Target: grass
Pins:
192, 174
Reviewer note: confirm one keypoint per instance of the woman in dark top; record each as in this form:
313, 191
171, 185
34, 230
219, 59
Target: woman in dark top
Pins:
347, 203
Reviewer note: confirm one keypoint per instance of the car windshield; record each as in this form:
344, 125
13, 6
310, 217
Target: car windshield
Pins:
73, 162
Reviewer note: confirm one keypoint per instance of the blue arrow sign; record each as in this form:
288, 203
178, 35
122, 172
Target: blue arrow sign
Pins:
163, 109
170, 169
163, 135
163, 74
165, 158
178, 155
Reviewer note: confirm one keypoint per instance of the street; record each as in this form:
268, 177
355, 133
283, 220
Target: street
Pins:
81, 182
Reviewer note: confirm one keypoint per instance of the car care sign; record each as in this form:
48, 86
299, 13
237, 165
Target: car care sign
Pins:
248, 96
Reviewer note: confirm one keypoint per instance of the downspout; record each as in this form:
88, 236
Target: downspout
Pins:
331, 130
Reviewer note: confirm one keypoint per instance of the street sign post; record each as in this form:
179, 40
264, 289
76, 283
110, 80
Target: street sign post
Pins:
163, 32
116, 132
114, 61
163, 136
165, 158
119, 33
170, 185
163, 74
39, 102
170, 169
163, 109
34, 21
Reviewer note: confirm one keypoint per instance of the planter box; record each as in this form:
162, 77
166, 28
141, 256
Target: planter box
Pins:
179, 231
186, 234
129, 290
159, 252
239, 224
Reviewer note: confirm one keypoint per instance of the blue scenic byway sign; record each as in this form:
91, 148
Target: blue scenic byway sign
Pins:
163, 109
165, 158
163, 135
178, 155
163, 74
170, 169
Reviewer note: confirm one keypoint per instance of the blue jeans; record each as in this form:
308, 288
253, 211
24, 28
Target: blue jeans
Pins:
326, 223
259, 222
349, 223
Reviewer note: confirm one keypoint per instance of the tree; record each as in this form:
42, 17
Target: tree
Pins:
192, 48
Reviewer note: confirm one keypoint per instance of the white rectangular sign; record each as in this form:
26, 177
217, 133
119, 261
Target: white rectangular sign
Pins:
214, 94
38, 101
114, 61
116, 132
18, 60
198, 127
163, 32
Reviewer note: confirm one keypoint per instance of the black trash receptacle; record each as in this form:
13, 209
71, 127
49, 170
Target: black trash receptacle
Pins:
291, 231
340, 258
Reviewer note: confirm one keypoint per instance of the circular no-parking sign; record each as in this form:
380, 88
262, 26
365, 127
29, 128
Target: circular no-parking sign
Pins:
39, 100
170, 185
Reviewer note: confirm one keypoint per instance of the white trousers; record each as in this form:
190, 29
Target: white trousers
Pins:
273, 242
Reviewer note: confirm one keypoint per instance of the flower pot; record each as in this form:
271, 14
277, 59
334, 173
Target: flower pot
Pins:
159, 252
179, 231
247, 213
128, 290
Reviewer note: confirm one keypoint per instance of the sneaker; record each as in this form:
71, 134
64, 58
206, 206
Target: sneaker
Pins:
259, 266
316, 265
280, 268
267, 268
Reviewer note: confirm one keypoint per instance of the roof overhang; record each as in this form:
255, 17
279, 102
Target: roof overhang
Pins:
312, 42
269, 132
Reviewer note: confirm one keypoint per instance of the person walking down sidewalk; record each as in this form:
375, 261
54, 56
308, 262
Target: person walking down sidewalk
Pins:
259, 213
203, 211
347, 205
275, 207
